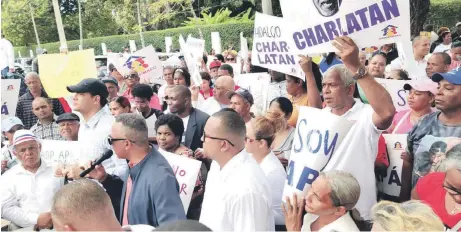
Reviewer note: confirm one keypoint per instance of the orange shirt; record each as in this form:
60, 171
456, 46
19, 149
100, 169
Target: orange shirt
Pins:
303, 101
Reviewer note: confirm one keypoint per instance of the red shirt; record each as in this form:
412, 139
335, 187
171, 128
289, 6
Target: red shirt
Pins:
430, 190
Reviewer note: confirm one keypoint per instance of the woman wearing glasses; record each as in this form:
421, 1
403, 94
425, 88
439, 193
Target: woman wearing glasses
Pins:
132, 79
230, 56
170, 129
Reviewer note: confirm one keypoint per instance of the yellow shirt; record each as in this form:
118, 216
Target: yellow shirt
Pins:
303, 101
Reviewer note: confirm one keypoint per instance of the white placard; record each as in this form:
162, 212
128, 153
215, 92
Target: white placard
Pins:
318, 134
132, 46
398, 94
168, 44
10, 95
19, 54
257, 84
216, 42
270, 46
147, 64
60, 152
196, 47
243, 47
367, 22
104, 49
390, 184
31, 53
186, 172
191, 61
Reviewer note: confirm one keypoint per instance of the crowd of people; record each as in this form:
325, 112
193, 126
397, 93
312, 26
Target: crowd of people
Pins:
244, 153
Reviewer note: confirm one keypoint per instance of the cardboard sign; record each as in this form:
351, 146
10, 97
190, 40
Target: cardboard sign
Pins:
191, 62
196, 47
270, 46
256, 84
186, 172
57, 71
104, 49
390, 184
10, 95
168, 44
147, 64
318, 134
132, 46
243, 47
395, 89
367, 22
216, 42
60, 152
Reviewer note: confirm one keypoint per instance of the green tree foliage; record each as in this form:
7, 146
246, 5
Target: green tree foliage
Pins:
221, 16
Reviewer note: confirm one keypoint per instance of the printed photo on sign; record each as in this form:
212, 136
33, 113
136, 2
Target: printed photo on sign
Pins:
390, 184
367, 22
10, 95
431, 151
318, 135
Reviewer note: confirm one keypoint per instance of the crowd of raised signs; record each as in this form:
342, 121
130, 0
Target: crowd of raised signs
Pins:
333, 151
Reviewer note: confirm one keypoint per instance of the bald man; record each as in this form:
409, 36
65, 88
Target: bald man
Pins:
84, 206
421, 47
46, 126
24, 107
439, 62
223, 86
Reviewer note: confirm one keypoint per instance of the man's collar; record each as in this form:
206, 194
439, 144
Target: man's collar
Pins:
43, 166
232, 163
52, 120
95, 118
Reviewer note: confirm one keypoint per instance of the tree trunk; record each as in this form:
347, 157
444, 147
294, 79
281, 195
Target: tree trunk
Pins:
267, 7
419, 11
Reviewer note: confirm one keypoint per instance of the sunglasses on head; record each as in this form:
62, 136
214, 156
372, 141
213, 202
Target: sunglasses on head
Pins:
131, 76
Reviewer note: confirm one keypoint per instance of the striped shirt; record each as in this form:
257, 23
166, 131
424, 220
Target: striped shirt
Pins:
24, 108
47, 131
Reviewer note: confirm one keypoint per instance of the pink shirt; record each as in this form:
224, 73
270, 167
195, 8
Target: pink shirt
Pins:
402, 123
454, 63
154, 101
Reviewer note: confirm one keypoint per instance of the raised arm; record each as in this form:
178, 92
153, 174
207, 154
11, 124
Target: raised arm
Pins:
313, 93
378, 97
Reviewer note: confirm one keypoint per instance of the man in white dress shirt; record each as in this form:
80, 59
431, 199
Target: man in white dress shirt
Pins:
237, 195
28, 188
222, 88
421, 47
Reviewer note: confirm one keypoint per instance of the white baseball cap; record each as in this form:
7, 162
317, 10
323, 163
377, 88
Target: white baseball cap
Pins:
10, 122
21, 136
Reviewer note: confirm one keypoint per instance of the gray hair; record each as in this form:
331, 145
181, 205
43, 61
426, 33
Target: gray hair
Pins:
135, 127
168, 67
345, 189
344, 73
31, 74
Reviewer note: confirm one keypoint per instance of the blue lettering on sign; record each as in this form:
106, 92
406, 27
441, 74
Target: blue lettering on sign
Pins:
401, 94
274, 53
355, 21
307, 176
328, 146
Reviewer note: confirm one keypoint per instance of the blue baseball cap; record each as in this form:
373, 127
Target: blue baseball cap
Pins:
454, 76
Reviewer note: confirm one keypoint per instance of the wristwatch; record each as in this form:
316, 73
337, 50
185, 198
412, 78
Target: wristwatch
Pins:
361, 72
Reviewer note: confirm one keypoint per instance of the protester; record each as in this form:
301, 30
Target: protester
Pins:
131, 80
143, 199
170, 130
439, 38
361, 143
420, 100
112, 87
329, 60
46, 126
457, 34
223, 86
421, 46
241, 101
390, 51
226, 70
24, 106
9, 127
277, 88
6, 56
259, 136
455, 54
214, 66
113, 72
194, 120
399, 74
406, 216
363, 58
445, 42
143, 94
90, 97
439, 62
84, 206
283, 141
329, 204
206, 89
377, 65
237, 194
230, 56
119, 105
443, 123
168, 72
28, 190
182, 77
69, 125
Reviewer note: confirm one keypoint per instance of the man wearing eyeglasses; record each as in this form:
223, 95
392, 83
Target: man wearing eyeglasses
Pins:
150, 193
132, 79
237, 195
222, 88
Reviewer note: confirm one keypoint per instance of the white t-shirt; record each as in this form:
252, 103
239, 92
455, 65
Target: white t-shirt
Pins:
420, 72
344, 223
357, 154
442, 48
185, 121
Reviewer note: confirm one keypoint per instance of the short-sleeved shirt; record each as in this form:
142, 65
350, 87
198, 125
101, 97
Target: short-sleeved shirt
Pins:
24, 108
304, 101
428, 125
430, 190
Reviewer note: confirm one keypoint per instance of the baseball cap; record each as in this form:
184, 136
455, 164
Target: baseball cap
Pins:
90, 85
10, 122
457, 24
109, 79
424, 85
453, 76
243, 93
215, 64
67, 117
21, 136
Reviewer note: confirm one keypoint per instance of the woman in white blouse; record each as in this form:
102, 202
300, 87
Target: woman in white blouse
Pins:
329, 203
260, 135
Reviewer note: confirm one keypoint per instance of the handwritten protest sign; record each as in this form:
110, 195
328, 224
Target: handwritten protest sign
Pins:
60, 152
147, 64
270, 46
395, 89
318, 134
389, 185
216, 42
57, 71
186, 172
367, 22
10, 95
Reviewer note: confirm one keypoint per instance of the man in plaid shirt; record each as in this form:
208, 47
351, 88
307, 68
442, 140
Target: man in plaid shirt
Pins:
46, 126
24, 107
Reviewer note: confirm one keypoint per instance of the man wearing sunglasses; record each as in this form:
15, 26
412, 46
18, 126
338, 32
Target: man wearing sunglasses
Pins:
222, 88
132, 79
149, 193
237, 195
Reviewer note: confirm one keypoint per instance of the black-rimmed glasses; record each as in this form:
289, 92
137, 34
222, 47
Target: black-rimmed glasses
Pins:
216, 138
131, 76
111, 140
